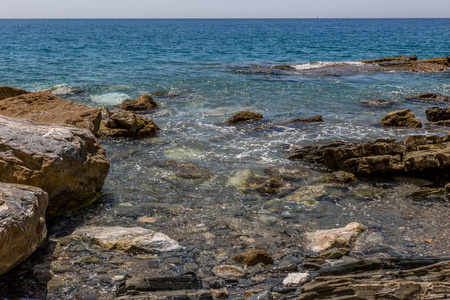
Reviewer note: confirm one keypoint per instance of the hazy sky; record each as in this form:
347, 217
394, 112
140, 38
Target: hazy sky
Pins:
225, 8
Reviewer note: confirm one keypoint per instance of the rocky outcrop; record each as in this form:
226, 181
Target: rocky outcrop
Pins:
401, 58
44, 107
376, 278
401, 118
409, 64
9, 91
133, 240
125, 124
435, 98
66, 162
143, 103
243, 116
415, 156
376, 103
438, 116
22, 223
322, 240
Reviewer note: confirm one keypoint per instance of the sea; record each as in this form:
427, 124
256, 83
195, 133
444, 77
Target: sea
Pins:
204, 71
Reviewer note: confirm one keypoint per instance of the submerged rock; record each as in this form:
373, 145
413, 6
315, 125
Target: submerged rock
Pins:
184, 169
340, 177
345, 237
125, 124
243, 116
143, 103
376, 103
416, 156
435, 98
254, 257
307, 195
134, 239
22, 223
44, 107
66, 162
314, 119
9, 91
401, 118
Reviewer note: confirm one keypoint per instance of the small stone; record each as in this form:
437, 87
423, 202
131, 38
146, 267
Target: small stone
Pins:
147, 219
228, 272
254, 257
54, 284
296, 279
219, 294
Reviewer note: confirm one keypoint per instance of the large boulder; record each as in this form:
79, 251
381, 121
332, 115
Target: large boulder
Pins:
143, 103
416, 156
244, 116
66, 162
401, 118
125, 124
44, 107
436, 114
22, 223
9, 91
435, 98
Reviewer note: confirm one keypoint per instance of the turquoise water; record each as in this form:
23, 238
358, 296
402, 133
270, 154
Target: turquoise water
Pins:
208, 70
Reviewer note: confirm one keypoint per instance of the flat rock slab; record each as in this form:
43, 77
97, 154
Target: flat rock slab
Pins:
22, 223
134, 239
66, 162
44, 107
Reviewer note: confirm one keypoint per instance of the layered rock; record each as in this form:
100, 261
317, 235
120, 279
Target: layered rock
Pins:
9, 91
143, 103
243, 116
409, 64
44, 107
22, 223
435, 98
401, 118
66, 162
416, 155
125, 124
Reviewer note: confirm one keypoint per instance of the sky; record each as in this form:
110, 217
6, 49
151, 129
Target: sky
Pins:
225, 9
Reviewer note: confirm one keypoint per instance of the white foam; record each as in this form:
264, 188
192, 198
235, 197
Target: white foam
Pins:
322, 64
110, 98
64, 89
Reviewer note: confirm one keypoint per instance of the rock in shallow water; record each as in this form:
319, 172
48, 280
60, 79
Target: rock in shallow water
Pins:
401, 118
125, 124
143, 103
66, 162
134, 239
22, 223
244, 116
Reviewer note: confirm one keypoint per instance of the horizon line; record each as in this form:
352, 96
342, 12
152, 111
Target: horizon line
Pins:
213, 18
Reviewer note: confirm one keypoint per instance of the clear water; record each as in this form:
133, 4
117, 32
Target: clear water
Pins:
210, 70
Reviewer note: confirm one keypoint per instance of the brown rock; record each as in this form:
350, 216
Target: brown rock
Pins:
66, 162
143, 103
22, 223
341, 177
345, 237
127, 124
243, 116
391, 59
409, 64
311, 120
435, 114
435, 98
44, 107
401, 118
254, 257
8, 91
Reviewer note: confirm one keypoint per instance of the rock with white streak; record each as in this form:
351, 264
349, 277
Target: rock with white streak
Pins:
296, 279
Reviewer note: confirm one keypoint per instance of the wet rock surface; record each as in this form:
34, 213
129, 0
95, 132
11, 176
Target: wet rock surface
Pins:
44, 107
401, 118
243, 116
439, 116
66, 162
143, 103
435, 98
313, 119
125, 124
22, 223
184, 169
376, 103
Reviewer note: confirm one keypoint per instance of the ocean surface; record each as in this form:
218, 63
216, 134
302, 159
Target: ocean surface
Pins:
207, 70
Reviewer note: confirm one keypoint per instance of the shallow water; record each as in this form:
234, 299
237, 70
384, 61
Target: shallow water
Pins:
210, 69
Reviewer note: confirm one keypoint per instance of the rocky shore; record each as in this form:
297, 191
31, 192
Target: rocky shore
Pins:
53, 164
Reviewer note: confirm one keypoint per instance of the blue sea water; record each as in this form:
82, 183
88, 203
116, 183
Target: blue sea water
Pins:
210, 69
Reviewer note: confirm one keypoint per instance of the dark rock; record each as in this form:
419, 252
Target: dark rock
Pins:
435, 98
243, 116
219, 294
158, 284
143, 103
409, 64
269, 187
311, 120
284, 268
127, 124
266, 295
283, 289
435, 114
254, 257
340, 177
401, 118
216, 284
427, 193
442, 123
9, 91
184, 169
44, 107
415, 156
391, 59
376, 103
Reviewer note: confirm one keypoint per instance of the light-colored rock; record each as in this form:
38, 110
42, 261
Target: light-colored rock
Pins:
228, 272
22, 223
66, 162
44, 107
134, 239
296, 279
345, 237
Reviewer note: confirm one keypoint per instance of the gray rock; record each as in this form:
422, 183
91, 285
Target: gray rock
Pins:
266, 295
66, 162
228, 272
22, 223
